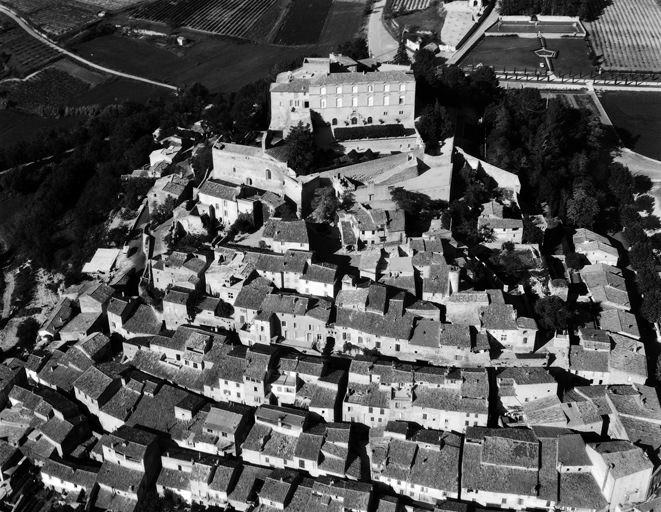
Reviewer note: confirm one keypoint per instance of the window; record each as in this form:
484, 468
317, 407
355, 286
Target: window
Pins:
369, 120
354, 102
525, 341
354, 89
268, 174
334, 122
370, 88
301, 464
338, 102
401, 100
401, 112
238, 395
354, 120
370, 101
402, 87
371, 410
386, 88
323, 90
503, 337
255, 387
323, 102
386, 100
378, 344
248, 181
338, 90
424, 416
397, 348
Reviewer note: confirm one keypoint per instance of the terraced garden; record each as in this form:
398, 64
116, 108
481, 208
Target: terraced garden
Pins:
627, 35
225, 17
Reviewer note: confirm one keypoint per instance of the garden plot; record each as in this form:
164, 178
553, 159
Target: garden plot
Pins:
26, 54
59, 19
627, 35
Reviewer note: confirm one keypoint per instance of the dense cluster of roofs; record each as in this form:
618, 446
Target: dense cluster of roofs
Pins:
269, 378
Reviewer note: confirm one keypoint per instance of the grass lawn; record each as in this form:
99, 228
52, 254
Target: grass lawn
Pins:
637, 119
518, 52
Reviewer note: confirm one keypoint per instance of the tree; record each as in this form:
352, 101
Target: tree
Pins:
325, 203
302, 149
27, 332
164, 211
243, 224
574, 261
434, 125
354, 48
402, 56
582, 208
552, 312
621, 183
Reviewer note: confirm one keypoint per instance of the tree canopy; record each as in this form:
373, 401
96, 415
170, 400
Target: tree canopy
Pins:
302, 148
552, 312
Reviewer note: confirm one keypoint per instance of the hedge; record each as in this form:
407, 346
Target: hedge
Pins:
378, 131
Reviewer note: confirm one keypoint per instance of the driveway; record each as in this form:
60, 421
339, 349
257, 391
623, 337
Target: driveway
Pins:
381, 44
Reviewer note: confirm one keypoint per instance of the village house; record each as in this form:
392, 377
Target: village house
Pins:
228, 274
520, 469
74, 481
98, 384
224, 202
518, 386
290, 319
188, 474
171, 187
185, 271
619, 322
504, 229
624, 471
606, 285
119, 311
282, 236
508, 330
595, 248
418, 463
362, 225
96, 298
131, 462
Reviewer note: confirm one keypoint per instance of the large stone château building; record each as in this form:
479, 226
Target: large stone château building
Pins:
343, 92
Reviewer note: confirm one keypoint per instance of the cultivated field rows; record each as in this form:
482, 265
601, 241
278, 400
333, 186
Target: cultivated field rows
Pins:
410, 5
628, 36
226, 17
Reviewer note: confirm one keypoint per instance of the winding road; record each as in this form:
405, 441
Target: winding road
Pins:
25, 26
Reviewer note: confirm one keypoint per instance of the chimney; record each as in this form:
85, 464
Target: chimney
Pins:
453, 278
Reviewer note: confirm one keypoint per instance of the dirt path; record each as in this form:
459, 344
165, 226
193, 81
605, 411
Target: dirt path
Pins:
9, 290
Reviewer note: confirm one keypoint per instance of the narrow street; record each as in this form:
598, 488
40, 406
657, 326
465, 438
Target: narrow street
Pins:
381, 44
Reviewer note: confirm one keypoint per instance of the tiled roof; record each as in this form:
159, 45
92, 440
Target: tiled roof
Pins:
251, 297
220, 190
624, 458
362, 78
143, 321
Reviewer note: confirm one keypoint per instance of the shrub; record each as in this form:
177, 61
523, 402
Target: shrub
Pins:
370, 132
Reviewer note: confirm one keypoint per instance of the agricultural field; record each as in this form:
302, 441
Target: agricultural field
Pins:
303, 22
60, 19
429, 19
410, 5
26, 54
637, 119
219, 65
511, 52
627, 35
343, 22
50, 87
224, 17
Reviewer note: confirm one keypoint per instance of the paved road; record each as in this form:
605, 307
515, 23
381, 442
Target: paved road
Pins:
71, 55
381, 44
485, 23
